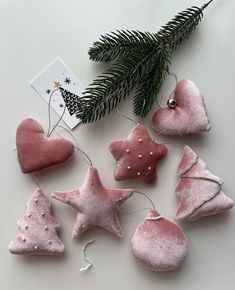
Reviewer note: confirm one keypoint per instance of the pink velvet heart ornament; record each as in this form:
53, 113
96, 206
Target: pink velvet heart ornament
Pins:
159, 244
137, 156
36, 151
186, 112
38, 229
198, 190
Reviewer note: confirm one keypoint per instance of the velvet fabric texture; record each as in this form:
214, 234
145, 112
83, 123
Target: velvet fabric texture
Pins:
95, 204
38, 229
198, 190
188, 116
137, 156
36, 151
159, 244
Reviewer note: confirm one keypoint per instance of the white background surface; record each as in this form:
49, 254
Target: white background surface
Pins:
33, 33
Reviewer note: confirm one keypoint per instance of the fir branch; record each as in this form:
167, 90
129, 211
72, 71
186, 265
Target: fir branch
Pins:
151, 83
181, 26
117, 44
140, 60
108, 90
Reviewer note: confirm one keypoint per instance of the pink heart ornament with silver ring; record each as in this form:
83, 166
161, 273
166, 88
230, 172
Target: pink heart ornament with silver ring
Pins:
185, 114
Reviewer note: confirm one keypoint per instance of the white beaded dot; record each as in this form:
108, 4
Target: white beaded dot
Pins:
36, 247
151, 153
49, 242
128, 167
46, 228
140, 140
24, 239
43, 214
128, 151
140, 156
149, 168
29, 215
36, 200
138, 173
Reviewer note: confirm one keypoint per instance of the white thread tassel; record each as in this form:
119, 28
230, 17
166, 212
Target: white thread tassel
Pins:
85, 257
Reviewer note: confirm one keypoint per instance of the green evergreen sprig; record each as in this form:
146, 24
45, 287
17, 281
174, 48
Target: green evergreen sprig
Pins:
140, 62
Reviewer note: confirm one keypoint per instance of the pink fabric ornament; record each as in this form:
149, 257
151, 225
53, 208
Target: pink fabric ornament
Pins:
95, 204
198, 190
36, 151
137, 156
38, 229
186, 112
159, 244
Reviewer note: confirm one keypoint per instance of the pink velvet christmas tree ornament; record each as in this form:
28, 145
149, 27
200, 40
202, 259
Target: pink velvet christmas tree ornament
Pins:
95, 204
38, 229
159, 244
187, 115
137, 156
198, 190
36, 151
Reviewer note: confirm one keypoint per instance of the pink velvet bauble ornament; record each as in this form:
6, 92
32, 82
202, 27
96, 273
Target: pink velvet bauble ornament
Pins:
38, 229
198, 190
159, 244
187, 115
137, 156
36, 151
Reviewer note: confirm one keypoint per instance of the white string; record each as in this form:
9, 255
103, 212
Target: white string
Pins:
126, 117
175, 76
31, 175
154, 218
49, 114
202, 178
85, 257
141, 209
189, 168
176, 81
85, 156
132, 211
49, 132
169, 143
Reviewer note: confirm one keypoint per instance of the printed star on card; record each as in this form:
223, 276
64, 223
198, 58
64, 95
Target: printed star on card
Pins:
95, 204
57, 84
137, 156
67, 81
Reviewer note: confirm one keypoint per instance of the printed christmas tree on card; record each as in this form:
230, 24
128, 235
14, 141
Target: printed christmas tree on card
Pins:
60, 88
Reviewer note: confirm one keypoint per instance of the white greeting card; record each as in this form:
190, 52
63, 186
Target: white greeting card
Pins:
57, 84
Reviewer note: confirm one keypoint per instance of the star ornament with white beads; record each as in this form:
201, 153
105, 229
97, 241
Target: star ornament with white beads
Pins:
95, 204
137, 156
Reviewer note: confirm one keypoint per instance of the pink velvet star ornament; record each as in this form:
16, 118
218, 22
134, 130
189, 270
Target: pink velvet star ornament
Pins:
95, 204
38, 229
137, 156
159, 243
185, 114
198, 190
36, 151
